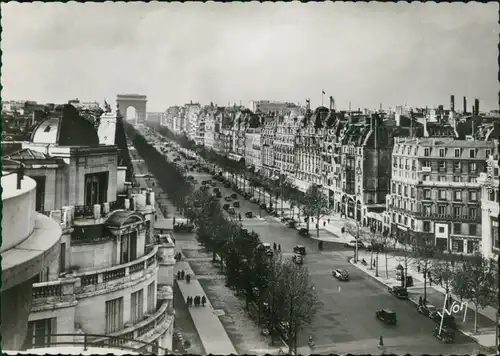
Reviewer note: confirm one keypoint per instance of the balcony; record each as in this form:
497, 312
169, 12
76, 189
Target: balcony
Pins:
448, 184
156, 323
54, 294
447, 217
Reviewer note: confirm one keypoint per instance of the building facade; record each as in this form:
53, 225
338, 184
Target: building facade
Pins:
489, 183
435, 192
267, 146
252, 149
111, 277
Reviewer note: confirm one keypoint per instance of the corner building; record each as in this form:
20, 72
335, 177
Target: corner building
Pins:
490, 211
435, 193
111, 278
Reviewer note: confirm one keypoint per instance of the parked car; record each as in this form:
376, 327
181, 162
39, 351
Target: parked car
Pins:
213, 184
398, 292
189, 177
304, 232
376, 247
352, 244
301, 250
447, 334
249, 214
227, 185
236, 204
218, 194
234, 196
204, 188
428, 310
225, 206
285, 219
267, 248
231, 211
448, 320
387, 316
298, 259
291, 224
182, 227
228, 198
340, 274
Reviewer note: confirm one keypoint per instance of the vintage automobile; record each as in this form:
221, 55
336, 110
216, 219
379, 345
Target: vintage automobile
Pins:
236, 204
212, 183
263, 205
254, 200
291, 224
298, 259
234, 196
266, 247
398, 292
225, 206
448, 320
218, 194
189, 177
301, 250
231, 211
376, 247
352, 244
340, 274
228, 198
304, 232
387, 316
227, 185
249, 214
447, 335
428, 310
183, 227
204, 188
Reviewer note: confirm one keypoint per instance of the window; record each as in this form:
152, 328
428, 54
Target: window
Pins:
114, 315
426, 163
412, 192
412, 224
472, 212
96, 188
441, 229
442, 195
136, 307
457, 179
457, 152
442, 165
427, 193
472, 229
457, 166
491, 195
472, 167
40, 193
472, 180
399, 219
442, 179
441, 152
457, 228
441, 210
427, 226
406, 220
457, 195
427, 178
406, 191
393, 188
151, 298
488, 153
472, 153
472, 196
62, 258
129, 247
399, 189
427, 152
457, 211
38, 333
427, 210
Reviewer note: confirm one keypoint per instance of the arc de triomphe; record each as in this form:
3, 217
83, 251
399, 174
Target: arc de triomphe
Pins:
138, 102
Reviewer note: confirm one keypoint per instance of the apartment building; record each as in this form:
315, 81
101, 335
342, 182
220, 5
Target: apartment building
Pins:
223, 137
111, 276
192, 124
267, 135
253, 149
435, 192
489, 183
286, 128
240, 125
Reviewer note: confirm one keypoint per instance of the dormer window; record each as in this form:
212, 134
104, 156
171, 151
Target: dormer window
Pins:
47, 129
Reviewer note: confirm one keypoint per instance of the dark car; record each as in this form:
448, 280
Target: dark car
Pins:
204, 188
446, 335
375, 247
218, 194
263, 205
398, 292
340, 274
387, 316
231, 211
234, 196
189, 177
236, 204
291, 224
249, 214
212, 183
182, 227
304, 232
225, 206
216, 189
448, 320
299, 249
228, 199
227, 185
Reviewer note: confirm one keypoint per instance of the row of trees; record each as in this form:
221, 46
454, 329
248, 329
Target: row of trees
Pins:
472, 279
280, 289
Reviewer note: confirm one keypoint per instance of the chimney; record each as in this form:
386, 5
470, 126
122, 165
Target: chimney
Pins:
465, 104
473, 110
332, 103
476, 107
452, 103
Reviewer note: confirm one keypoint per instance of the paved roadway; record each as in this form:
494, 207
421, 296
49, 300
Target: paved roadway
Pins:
346, 321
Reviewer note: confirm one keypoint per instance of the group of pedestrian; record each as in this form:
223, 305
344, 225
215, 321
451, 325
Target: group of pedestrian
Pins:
196, 301
178, 256
181, 275
276, 247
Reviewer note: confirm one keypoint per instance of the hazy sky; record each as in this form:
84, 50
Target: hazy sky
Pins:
367, 53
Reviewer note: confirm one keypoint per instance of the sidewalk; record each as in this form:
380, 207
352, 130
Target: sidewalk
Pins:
486, 335
208, 325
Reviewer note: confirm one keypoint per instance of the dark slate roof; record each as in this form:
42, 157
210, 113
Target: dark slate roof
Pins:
123, 217
24, 154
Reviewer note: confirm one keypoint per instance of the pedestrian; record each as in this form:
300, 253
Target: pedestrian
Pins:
373, 263
420, 300
381, 342
324, 223
188, 278
418, 268
274, 246
173, 221
279, 247
188, 300
328, 220
156, 217
178, 275
203, 300
182, 274
197, 300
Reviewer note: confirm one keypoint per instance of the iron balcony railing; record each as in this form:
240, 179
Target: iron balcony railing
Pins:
99, 340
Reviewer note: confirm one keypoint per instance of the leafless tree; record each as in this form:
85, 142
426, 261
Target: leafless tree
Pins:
315, 205
424, 251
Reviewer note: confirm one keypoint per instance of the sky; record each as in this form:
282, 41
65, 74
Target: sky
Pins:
363, 53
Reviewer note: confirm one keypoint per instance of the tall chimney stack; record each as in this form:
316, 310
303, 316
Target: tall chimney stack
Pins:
476, 107
452, 103
465, 104
332, 103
